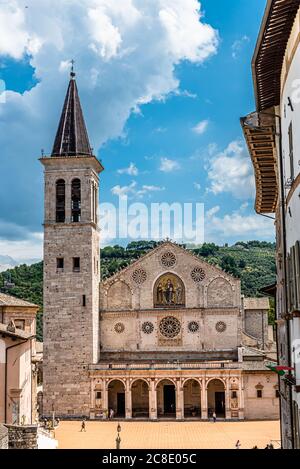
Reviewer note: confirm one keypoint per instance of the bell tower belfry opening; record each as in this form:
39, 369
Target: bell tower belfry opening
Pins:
71, 263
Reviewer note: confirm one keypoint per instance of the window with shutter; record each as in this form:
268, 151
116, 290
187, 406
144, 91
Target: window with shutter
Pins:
291, 152
297, 273
289, 283
293, 280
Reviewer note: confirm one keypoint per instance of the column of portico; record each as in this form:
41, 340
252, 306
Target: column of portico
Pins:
105, 397
204, 406
179, 401
152, 401
241, 399
227, 399
128, 400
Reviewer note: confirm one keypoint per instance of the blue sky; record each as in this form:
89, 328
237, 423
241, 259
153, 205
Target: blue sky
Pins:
163, 85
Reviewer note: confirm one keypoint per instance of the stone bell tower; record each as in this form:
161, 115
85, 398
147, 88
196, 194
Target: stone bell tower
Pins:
71, 264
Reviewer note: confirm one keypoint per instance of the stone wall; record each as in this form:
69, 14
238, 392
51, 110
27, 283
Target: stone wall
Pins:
22, 437
71, 298
3, 437
256, 324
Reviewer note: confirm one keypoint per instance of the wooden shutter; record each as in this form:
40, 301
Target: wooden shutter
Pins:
297, 274
293, 279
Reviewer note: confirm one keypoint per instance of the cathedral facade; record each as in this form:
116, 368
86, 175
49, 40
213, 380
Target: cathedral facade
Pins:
170, 336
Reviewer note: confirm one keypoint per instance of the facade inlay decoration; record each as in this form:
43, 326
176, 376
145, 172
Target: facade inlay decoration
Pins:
147, 327
119, 328
168, 259
193, 327
139, 276
221, 327
198, 274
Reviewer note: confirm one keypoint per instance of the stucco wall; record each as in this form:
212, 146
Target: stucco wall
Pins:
266, 407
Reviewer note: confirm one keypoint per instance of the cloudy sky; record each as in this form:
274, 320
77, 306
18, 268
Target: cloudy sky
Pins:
162, 83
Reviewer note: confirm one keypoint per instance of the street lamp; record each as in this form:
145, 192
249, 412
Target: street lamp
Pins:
118, 439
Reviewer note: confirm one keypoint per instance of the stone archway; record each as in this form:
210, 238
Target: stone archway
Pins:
216, 398
116, 398
140, 399
166, 399
192, 399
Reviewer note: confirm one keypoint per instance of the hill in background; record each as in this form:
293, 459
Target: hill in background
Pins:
253, 262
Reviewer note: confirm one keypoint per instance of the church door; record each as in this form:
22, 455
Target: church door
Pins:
169, 399
220, 404
121, 404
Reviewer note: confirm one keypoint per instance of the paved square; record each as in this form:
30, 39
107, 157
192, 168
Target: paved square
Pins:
168, 435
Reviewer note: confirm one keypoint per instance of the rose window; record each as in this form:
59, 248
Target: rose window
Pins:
119, 328
139, 276
168, 259
169, 327
147, 327
221, 326
198, 274
193, 326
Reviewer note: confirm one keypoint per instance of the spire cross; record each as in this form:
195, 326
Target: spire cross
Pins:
73, 74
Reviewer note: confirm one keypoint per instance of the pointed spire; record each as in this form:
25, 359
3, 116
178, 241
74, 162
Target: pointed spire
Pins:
72, 137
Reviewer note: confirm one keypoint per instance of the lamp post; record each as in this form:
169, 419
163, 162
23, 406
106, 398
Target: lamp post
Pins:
118, 439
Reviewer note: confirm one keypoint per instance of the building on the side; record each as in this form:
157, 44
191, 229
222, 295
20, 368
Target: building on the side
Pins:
18, 404
168, 336
272, 136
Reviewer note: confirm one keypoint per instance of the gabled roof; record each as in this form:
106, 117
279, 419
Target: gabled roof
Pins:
8, 300
159, 248
72, 137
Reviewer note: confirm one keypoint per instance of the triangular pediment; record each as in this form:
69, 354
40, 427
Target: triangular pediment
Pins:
164, 249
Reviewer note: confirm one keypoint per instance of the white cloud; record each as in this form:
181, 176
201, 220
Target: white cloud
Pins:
132, 170
123, 191
231, 171
125, 55
197, 186
201, 127
168, 166
237, 225
133, 190
238, 46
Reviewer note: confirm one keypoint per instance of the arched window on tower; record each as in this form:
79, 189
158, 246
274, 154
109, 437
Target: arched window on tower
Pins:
60, 201
76, 200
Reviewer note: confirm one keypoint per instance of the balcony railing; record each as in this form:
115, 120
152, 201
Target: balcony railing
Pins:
165, 366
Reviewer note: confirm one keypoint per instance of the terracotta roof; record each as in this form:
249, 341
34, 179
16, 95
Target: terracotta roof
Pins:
270, 50
72, 137
8, 300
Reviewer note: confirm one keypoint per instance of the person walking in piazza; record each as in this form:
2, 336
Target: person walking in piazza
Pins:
238, 444
214, 417
111, 414
83, 429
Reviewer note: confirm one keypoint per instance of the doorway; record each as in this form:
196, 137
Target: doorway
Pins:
121, 404
169, 400
166, 399
220, 404
216, 398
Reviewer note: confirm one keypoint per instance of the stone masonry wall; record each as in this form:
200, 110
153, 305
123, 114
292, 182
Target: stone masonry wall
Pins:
3, 437
71, 328
22, 437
